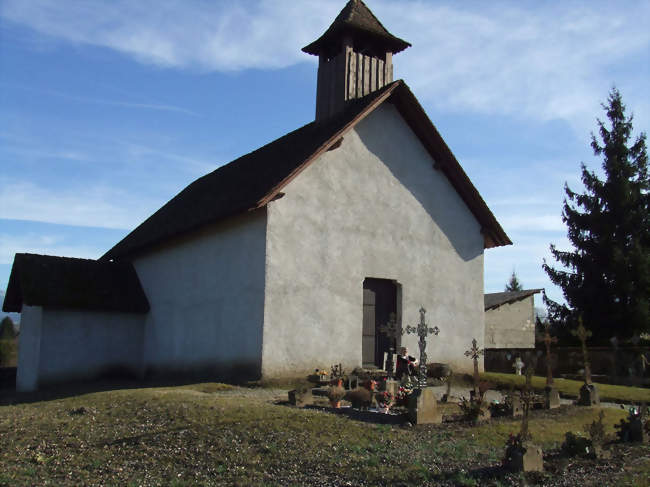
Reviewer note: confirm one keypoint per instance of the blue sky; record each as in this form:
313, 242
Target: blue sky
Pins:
109, 108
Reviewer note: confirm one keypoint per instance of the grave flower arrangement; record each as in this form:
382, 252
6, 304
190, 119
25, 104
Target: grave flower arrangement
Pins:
402, 397
384, 400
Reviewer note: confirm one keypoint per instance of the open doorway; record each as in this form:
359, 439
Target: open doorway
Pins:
379, 301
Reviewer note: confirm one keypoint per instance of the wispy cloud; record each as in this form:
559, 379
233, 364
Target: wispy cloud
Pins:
87, 206
51, 244
100, 101
538, 61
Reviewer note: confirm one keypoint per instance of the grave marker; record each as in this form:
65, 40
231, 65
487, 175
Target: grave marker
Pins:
588, 392
392, 330
422, 330
474, 353
552, 394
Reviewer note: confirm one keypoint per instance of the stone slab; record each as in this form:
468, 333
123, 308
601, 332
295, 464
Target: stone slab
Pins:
551, 398
517, 408
528, 459
301, 398
533, 458
423, 407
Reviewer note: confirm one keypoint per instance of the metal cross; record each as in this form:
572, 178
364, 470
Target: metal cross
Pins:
422, 329
474, 353
392, 330
582, 333
548, 339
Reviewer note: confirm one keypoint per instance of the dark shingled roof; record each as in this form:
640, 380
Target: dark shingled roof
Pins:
356, 19
253, 180
64, 282
494, 300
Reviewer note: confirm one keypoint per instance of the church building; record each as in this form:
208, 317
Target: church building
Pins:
288, 258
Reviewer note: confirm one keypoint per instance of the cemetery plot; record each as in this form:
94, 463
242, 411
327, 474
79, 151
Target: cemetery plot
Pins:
209, 434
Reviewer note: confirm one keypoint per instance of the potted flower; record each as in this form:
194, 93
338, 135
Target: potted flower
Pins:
336, 392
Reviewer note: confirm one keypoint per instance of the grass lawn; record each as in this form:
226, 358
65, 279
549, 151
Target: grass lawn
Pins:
214, 434
607, 392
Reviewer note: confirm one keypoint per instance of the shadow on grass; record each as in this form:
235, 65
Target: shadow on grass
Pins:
67, 390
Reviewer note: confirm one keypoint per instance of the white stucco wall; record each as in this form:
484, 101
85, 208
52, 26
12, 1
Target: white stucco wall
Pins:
78, 345
374, 207
57, 345
206, 293
29, 348
511, 325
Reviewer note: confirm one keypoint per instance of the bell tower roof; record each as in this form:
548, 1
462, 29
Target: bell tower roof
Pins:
356, 21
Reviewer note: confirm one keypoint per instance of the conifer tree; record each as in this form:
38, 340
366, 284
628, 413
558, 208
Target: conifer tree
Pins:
6, 328
514, 284
606, 277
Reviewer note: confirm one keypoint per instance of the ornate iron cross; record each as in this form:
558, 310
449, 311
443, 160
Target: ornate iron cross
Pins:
548, 339
422, 329
474, 353
582, 333
392, 330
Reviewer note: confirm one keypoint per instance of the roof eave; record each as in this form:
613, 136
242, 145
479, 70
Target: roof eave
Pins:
410, 108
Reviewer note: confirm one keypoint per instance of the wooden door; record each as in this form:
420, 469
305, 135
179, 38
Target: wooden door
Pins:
379, 301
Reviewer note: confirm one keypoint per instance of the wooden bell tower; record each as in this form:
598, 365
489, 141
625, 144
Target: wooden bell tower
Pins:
355, 58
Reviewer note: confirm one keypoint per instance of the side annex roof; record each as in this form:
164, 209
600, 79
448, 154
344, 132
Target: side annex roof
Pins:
65, 282
494, 300
253, 180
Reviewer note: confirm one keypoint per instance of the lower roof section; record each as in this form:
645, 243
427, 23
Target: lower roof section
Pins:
64, 282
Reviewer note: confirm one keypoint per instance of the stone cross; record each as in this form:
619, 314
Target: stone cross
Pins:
422, 329
582, 333
392, 330
527, 396
474, 353
548, 339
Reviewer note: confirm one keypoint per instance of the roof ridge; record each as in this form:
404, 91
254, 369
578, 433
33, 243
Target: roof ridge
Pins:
254, 179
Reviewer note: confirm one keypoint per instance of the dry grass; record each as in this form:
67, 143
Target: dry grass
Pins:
607, 392
215, 434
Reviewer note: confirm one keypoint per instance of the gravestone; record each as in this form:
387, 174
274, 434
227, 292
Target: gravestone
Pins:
588, 392
516, 406
551, 394
527, 458
301, 397
522, 455
423, 407
551, 398
588, 395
